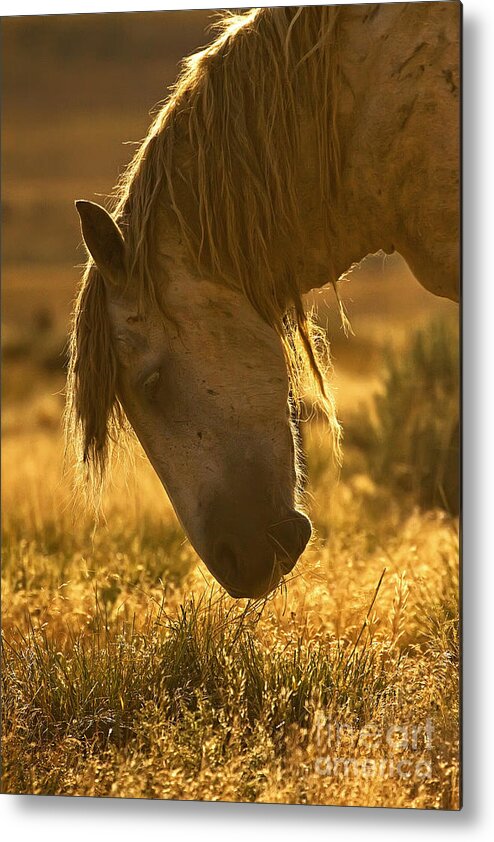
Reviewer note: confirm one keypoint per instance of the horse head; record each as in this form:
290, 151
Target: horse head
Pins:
204, 384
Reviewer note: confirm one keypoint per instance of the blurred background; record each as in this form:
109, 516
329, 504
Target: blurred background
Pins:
77, 95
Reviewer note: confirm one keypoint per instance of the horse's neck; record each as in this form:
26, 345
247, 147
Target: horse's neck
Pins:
391, 61
358, 220
360, 217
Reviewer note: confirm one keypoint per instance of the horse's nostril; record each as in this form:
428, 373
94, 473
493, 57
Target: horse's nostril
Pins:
290, 537
226, 557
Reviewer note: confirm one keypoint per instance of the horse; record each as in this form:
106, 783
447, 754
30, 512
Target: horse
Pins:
299, 141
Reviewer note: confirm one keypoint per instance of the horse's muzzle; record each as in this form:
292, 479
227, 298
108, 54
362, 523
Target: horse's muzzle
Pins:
254, 571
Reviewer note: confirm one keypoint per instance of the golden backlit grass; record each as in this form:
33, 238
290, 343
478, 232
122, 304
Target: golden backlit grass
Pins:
127, 672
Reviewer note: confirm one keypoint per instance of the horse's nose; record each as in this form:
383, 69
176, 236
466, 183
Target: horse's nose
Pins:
250, 562
289, 538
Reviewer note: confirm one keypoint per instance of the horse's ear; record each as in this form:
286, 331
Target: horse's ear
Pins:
104, 241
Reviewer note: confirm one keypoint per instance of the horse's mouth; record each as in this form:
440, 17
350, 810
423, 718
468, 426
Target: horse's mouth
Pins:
254, 590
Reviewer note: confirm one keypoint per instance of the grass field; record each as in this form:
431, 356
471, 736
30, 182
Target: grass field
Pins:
126, 671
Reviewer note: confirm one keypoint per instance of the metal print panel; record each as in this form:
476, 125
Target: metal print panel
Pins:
231, 432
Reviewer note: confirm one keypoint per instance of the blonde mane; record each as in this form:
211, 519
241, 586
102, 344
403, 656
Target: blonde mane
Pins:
220, 161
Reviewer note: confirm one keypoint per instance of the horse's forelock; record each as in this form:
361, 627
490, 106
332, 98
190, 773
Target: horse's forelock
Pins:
94, 415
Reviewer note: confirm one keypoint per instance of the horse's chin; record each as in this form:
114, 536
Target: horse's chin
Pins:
252, 594
261, 590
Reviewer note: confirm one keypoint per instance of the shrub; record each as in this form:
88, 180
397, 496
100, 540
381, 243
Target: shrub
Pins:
411, 445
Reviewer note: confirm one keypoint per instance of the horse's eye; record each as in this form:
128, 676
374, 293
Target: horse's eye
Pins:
150, 384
